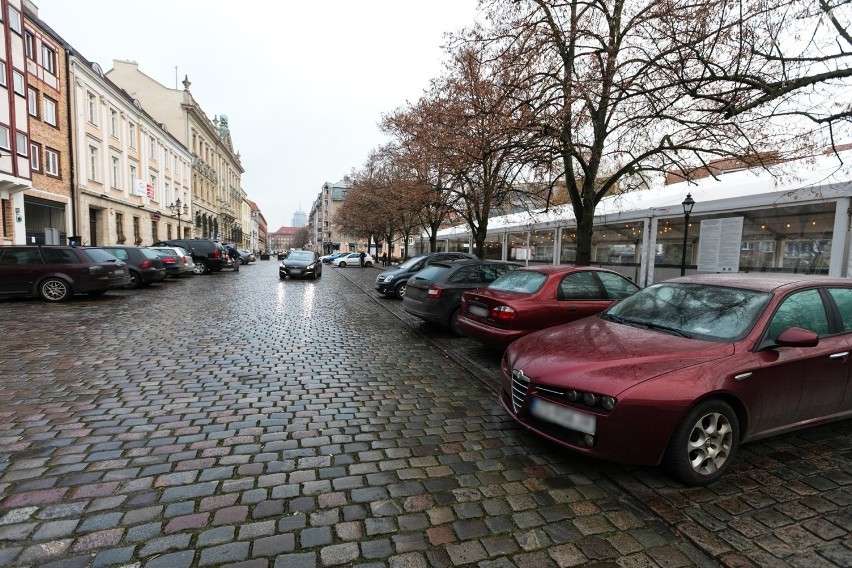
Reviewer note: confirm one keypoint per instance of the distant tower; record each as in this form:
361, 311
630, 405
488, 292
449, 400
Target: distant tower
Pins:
300, 219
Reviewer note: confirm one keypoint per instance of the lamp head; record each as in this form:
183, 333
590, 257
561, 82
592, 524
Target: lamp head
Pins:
688, 204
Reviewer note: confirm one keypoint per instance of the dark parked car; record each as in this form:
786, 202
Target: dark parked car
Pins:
392, 282
171, 261
55, 273
208, 255
684, 371
532, 298
145, 265
434, 294
301, 264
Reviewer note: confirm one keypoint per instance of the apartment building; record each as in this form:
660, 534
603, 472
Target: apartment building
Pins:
259, 238
15, 169
48, 205
221, 208
326, 239
131, 172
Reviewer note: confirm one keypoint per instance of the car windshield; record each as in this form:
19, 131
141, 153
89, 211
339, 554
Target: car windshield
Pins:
411, 262
300, 255
526, 281
150, 254
711, 313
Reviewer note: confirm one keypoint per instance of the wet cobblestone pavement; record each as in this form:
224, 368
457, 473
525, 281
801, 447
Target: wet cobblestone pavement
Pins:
238, 420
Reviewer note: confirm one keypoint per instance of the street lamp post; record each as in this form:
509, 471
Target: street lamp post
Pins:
688, 204
176, 210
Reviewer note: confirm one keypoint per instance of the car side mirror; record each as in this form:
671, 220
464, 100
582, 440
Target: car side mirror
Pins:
797, 337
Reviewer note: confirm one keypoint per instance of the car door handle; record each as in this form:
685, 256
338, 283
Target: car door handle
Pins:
843, 355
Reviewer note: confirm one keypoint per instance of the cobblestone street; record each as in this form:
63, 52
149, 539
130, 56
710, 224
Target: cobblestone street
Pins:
239, 420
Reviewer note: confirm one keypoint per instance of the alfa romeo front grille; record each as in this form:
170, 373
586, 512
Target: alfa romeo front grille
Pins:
520, 386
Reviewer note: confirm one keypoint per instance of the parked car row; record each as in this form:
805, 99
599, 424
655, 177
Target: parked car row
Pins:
676, 375
55, 273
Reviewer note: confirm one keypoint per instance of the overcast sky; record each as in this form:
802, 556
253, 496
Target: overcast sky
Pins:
303, 83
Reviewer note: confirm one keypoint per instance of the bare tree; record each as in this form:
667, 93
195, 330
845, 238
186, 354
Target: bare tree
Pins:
619, 91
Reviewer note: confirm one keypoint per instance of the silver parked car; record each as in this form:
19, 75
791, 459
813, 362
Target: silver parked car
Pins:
187, 265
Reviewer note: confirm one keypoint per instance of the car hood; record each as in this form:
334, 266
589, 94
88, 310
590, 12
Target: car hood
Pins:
393, 272
606, 357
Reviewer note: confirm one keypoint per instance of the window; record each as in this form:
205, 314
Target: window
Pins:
119, 228
115, 172
29, 44
22, 145
15, 21
92, 106
617, 287
18, 83
137, 235
133, 175
48, 59
94, 162
32, 101
153, 148
580, 286
802, 309
131, 133
49, 109
2, 73
155, 233
113, 123
35, 156
5, 141
51, 162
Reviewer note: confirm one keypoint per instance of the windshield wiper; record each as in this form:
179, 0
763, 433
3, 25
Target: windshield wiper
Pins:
665, 329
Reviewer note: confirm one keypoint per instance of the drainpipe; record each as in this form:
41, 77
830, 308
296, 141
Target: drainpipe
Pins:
69, 91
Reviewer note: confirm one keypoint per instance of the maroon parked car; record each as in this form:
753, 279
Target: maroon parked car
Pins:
533, 298
682, 372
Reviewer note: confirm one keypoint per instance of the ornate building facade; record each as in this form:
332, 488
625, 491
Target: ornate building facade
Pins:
221, 209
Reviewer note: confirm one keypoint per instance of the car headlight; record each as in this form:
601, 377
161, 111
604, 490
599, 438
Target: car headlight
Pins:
388, 279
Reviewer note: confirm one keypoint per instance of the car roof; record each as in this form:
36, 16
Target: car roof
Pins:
762, 282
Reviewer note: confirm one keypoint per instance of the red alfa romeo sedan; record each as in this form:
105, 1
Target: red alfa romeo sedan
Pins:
532, 298
682, 372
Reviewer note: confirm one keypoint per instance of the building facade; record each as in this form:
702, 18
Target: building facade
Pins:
259, 238
325, 238
15, 168
283, 239
131, 173
221, 208
48, 205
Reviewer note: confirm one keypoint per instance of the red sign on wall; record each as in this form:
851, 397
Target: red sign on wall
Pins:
150, 189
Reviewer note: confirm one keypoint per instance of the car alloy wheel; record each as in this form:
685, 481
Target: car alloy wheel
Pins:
135, 280
54, 290
704, 443
341, 265
200, 267
400, 291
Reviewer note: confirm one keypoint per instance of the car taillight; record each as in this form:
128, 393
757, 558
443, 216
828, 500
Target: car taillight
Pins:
146, 264
503, 313
183, 261
434, 292
169, 260
217, 253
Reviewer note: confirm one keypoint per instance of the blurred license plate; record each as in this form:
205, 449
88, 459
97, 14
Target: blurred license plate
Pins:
565, 417
119, 272
478, 311
296, 270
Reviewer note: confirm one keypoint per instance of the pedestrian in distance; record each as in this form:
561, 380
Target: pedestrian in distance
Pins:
384, 259
361, 258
